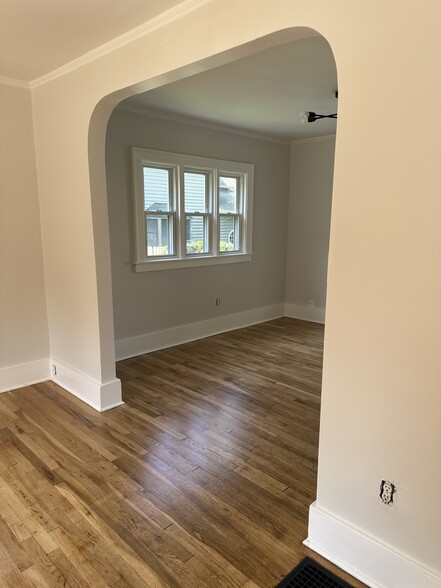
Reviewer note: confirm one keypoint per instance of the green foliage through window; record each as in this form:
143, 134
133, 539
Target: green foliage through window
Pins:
198, 246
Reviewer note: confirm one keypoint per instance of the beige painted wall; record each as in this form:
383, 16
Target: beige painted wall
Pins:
23, 317
309, 219
382, 380
153, 301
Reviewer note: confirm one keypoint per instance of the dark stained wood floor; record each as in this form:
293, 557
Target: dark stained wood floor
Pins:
203, 477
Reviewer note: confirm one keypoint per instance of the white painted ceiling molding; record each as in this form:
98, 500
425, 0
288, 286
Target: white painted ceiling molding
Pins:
261, 94
163, 19
198, 123
15, 83
312, 139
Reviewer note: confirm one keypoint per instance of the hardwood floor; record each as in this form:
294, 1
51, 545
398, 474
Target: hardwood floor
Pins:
203, 477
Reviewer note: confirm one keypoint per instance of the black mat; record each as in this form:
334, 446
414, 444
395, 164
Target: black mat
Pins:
309, 574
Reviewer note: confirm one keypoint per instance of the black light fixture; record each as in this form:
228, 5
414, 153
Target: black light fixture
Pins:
308, 117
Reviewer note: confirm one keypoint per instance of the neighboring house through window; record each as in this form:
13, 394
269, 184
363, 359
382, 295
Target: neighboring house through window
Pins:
190, 210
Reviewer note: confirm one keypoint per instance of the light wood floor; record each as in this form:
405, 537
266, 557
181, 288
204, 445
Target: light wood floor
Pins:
203, 477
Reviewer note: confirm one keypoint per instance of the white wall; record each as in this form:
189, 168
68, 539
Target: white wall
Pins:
382, 378
309, 220
24, 340
154, 301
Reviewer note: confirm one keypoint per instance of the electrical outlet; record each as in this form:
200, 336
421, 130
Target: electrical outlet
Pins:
218, 301
387, 491
54, 369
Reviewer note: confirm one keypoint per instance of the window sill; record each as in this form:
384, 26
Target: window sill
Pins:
168, 264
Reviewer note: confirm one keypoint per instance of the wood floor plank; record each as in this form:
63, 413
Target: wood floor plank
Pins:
72, 575
122, 542
29, 518
202, 478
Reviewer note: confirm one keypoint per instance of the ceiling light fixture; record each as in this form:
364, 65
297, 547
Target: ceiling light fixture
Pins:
308, 117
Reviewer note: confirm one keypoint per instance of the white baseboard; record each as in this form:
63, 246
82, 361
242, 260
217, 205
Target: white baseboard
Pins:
149, 342
99, 396
315, 314
24, 374
364, 557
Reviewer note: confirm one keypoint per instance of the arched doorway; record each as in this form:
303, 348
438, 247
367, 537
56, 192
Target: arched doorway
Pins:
123, 217
96, 160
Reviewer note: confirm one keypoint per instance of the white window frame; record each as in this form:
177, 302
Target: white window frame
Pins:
178, 164
208, 213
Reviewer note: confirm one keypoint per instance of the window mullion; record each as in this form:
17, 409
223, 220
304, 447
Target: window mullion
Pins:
210, 210
180, 220
215, 212
242, 219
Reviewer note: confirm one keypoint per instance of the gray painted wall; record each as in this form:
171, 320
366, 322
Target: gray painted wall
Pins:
312, 168
153, 301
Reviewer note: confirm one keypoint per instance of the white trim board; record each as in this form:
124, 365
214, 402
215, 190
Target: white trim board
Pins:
149, 342
205, 124
314, 314
312, 140
364, 557
99, 396
16, 83
24, 374
166, 17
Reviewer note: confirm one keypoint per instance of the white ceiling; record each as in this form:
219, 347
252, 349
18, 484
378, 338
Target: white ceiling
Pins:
38, 36
263, 93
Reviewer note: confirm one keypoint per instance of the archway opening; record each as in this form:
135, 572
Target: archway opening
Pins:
161, 308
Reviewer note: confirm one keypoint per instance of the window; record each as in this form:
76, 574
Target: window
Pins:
158, 207
190, 210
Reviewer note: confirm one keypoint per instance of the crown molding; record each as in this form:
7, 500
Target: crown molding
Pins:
5, 81
199, 123
170, 15
312, 139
